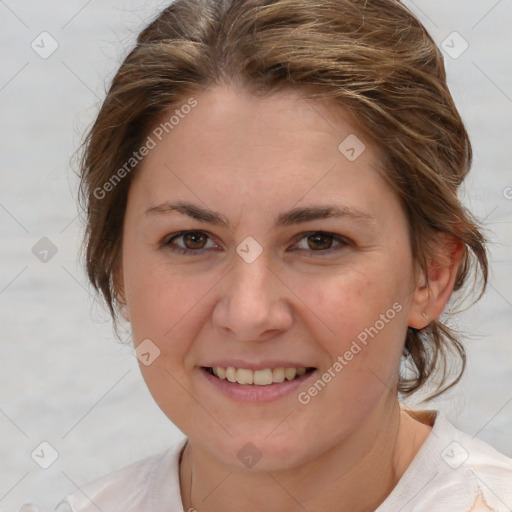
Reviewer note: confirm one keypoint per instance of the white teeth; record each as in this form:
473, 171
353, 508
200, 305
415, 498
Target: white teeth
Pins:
278, 374
244, 376
257, 377
290, 373
231, 374
262, 377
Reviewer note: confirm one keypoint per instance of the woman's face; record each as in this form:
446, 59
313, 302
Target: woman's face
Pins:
230, 260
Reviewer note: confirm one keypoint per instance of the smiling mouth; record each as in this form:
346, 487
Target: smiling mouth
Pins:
263, 377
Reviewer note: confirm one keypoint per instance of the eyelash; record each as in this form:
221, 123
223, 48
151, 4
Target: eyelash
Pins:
180, 250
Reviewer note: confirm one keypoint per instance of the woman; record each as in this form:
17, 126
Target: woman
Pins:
271, 192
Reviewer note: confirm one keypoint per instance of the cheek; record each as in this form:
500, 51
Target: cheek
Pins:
163, 304
362, 313
366, 314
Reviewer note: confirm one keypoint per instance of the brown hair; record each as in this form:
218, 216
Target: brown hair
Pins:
374, 59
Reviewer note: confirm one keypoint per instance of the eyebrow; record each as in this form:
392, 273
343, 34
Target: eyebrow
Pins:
291, 217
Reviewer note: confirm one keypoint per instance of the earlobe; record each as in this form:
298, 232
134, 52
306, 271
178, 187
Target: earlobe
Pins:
431, 295
418, 314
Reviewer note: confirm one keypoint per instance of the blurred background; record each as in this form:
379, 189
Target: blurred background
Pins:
73, 405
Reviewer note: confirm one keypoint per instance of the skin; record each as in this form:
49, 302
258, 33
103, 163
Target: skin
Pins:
250, 159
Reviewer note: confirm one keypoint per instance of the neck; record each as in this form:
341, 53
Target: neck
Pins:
355, 475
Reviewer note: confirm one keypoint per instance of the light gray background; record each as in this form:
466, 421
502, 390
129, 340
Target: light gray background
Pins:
64, 378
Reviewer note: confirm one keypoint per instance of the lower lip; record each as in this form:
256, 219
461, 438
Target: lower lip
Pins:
254, 393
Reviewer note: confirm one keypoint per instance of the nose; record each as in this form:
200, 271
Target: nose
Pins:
253, 303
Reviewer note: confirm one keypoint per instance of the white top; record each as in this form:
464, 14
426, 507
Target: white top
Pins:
452, 472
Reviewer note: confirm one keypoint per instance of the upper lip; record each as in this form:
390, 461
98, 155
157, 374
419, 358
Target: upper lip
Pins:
260, 365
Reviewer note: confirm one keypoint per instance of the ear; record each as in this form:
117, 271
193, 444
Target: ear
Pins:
432, 294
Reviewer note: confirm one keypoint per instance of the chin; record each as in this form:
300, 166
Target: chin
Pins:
260, 449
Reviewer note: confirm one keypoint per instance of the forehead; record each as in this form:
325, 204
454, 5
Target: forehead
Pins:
233, 146
232, 116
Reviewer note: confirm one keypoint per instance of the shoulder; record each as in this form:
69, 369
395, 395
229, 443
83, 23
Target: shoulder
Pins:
132, 488
454, 471
487, 471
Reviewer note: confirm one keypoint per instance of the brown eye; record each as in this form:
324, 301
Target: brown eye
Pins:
194, 240
191, 241
320, 242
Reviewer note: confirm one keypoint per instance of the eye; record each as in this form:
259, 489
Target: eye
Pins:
192, 241
319, 241
197, 241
